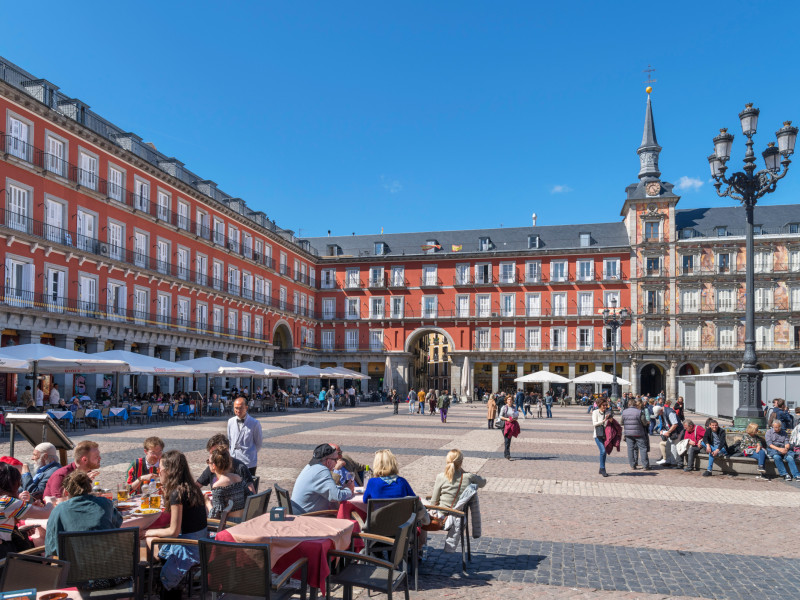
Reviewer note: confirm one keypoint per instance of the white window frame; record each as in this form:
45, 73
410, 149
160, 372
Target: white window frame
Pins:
533, 304
54, 163
508, 272
585, 309
462, 305
327, 279
611, 269
352, 308
141, 194
533, 339
429, 307
483, 306
19, 143
558, 338
376, 340
690, 300
559, 265
351, 340
579, 268
727, 336
585, 338
559, 304
397, 307
376, 307
508, 305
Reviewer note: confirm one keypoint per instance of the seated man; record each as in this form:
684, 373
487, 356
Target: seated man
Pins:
694, 436
85, 457
715, 443
220, 442
142, 470
315, 488
780, 451
45, 463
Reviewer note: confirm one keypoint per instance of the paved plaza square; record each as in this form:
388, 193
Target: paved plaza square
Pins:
552, 527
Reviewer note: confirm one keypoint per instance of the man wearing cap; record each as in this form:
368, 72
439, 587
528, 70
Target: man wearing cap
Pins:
45, 463
245, 435
315, 488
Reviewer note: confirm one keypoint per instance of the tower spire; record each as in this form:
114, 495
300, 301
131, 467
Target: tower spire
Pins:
649, 150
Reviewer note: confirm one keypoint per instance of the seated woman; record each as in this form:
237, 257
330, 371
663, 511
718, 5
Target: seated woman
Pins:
449, 485
752, 446
184, 501
82, 512
386, 483
228, 486
13, 509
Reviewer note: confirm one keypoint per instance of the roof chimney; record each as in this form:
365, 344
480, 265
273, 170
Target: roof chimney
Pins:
329, 233
533, 218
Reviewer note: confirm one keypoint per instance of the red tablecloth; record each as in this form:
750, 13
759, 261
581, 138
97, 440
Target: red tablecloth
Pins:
292, 539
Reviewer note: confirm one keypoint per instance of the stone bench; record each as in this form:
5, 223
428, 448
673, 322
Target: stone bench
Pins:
735, 465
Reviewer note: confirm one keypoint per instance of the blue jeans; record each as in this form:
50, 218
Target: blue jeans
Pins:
722, 452
760, 456
779, 459
602, 449
549, 408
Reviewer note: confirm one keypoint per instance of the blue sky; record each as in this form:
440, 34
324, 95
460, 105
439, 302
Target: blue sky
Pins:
424, 115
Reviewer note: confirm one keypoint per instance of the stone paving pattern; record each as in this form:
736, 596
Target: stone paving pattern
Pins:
552, 527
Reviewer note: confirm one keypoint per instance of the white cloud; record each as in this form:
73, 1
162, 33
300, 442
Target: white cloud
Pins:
393, 186
560, 189
689, 183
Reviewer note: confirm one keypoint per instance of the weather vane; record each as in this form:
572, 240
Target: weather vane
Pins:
649, 70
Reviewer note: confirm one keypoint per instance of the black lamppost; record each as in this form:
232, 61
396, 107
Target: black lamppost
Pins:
747, 187
614, 320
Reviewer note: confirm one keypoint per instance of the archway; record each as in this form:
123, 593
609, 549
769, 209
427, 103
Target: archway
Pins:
651, 379
688, 369
723, 368
431, 365
282, 336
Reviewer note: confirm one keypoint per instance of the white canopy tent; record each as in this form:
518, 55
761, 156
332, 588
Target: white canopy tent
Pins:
14, 365
208, 365
266, 371
147, 365
345, 373
308, 372
542, 377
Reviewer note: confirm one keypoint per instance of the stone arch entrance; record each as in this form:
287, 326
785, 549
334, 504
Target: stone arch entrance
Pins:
688, 369
723, 368
430, 367
651, 379
282, 339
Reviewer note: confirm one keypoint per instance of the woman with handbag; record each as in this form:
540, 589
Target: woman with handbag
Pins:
600, 418
509, 415
449, 485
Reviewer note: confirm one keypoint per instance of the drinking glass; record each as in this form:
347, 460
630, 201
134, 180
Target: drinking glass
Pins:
122, 492
145, 502
155, 501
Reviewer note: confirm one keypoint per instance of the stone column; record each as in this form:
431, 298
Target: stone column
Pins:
672, 380
455, 379
706, 367
626, 372
495, 377
520, 373
634, 377
364, 383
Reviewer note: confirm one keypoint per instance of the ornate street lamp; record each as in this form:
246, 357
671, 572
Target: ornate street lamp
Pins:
747, 187
614, 320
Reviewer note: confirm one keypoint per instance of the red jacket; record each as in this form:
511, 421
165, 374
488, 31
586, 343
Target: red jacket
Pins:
511, 429
613, 436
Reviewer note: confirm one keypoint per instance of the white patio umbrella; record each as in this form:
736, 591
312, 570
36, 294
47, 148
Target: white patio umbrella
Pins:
208, 365
308, 372
14, 365
337, 373
388, 382
465, 391
51, 359
600, 377
266, 371
349, 373
147, 365
542, 377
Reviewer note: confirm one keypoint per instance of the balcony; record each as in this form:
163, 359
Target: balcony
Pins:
481, 280
545, 346
398, 282
49, 303
611, 276
652, 272
462, 280
50, 233
374, 284
429, 281
352, 284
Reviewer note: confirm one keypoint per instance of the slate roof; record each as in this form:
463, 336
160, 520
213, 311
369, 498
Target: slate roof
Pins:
504, 239
772, 219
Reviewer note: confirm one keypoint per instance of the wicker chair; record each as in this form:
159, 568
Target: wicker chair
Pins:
104, 554
256, 505
369, 572
22, 570
239, 570
384, 516
285, 501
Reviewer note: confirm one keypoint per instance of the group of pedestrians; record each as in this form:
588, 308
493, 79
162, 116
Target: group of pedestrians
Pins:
681, 440
435, 400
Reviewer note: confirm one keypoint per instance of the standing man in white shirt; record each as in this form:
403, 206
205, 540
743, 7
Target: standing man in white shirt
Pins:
244, 434
39, 397
55, 396
351, 395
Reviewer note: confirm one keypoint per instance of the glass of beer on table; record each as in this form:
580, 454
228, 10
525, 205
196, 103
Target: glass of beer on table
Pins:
122, 492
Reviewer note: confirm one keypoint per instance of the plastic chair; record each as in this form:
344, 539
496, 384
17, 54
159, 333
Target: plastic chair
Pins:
256, 481
374, 574
285, 501
21, 570
237, 570
384, 516
105, 412
256, 505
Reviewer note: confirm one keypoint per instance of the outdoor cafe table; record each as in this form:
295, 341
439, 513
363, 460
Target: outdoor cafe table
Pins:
59, 415
95, 413
119, 412
296, 537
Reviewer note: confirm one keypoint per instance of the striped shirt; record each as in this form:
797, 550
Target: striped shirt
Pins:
11, 511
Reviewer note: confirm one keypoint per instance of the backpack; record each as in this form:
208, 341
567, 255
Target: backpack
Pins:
785, 418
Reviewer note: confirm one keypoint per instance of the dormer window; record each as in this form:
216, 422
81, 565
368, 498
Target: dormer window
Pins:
534, 241
757, 230
334, 250
431, 246
794, 227
687, 233
586, 240
722, 231
380, 248
484, 244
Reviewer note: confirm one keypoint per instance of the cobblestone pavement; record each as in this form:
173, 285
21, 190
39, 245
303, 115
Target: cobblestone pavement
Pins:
552, 526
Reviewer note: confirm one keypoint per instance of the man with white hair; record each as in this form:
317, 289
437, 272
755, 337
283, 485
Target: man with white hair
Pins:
45, 463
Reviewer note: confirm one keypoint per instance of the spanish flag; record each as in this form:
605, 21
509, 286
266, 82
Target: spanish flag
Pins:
455, 248
426, 247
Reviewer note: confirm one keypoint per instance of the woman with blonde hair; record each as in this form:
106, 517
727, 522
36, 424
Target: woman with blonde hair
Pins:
491, 411
385, 482
449, 485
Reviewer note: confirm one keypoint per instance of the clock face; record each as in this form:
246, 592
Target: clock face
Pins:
653, 188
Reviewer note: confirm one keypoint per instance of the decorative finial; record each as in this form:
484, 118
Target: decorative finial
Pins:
648, 89
724, 130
